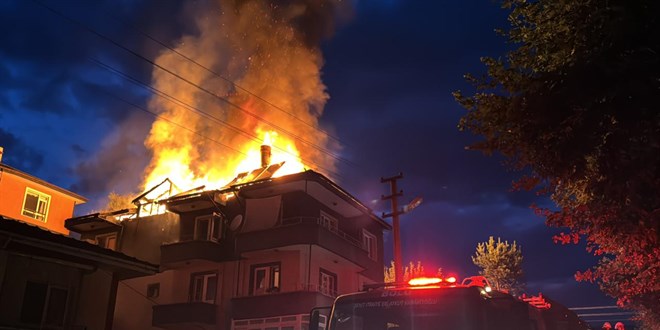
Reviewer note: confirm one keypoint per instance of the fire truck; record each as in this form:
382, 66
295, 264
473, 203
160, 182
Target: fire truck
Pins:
436, 303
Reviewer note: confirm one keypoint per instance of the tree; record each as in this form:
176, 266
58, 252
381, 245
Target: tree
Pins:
118, 202
410, 271
500, 263
574, 105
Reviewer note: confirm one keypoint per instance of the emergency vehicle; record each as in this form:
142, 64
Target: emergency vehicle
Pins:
435, 303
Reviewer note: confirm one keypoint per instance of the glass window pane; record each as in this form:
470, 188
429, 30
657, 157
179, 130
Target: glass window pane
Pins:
216, 227
153, 290
41, 208
56, 306
212, 283
202, 229
276, 277
34, 301
260, 279
198, 288
111, 243
31, 202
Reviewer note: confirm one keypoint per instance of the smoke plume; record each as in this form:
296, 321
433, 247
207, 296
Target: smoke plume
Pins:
256, 67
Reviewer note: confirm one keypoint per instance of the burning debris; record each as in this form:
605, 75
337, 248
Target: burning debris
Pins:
245, 90
149, 202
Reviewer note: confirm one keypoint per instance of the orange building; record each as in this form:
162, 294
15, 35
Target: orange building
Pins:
32, 200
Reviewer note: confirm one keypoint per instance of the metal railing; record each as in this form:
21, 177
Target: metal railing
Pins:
313, 220
305, 287
316, 288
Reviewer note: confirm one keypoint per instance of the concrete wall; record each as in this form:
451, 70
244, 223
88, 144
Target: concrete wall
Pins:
346, 271
12, 195
95, 295
291, 278
141, 238
299, 204
134, 310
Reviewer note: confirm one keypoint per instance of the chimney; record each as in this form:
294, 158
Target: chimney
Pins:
265, 155
1, 150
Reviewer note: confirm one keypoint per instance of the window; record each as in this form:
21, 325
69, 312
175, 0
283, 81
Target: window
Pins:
153, 290
323, 320
203, 287
35, 204
207, 228
369, 243
327, 283
44, 305
328, 222
265, 278
108, 241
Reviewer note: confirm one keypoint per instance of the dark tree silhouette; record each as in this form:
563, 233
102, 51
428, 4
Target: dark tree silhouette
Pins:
575, 105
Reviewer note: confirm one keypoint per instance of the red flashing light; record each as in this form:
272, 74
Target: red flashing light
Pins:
451, 279
424, 281
537, 301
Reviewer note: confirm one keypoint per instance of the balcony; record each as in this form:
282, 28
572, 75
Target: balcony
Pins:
183, 254
302, 230
184, 316
284, 303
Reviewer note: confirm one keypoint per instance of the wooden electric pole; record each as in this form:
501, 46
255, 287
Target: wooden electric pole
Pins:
398, 262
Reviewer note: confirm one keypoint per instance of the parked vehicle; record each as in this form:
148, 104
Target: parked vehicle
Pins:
432, 303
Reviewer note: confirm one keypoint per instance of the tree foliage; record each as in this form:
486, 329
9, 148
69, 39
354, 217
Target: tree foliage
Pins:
500, 263
574, 104
118, 202
411, 271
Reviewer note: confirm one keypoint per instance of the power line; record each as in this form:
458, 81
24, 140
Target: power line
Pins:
201, 113
593, 307
103, 271
173, 123
605, 314
296, 137
146, 35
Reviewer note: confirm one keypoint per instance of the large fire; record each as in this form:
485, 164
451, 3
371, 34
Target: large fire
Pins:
175, 164
251, 76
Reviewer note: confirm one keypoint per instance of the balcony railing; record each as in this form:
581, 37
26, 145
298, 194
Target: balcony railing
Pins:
176, 254
313, 231
276, 304
312, 220
316, 288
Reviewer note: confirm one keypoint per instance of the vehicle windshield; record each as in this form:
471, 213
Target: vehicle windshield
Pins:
409, 312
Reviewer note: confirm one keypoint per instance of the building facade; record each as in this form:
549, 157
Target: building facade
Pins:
50, 281
257, 255
29, 199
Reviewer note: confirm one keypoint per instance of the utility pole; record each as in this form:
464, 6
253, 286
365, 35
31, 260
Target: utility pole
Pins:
398, 262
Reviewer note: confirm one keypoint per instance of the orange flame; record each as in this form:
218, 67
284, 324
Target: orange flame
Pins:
175, 164
263, 55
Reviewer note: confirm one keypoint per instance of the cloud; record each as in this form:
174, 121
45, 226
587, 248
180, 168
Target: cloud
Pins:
18, 154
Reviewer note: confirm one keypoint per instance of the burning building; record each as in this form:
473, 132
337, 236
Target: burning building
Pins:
253, 237
258, 253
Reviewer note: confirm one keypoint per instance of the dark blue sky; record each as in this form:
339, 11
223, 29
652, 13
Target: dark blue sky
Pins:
389, 71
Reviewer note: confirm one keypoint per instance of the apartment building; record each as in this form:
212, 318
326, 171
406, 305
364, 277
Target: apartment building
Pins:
47, 279
256, 255
29, 199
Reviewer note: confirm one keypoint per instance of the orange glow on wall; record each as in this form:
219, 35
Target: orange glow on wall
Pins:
12, 197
